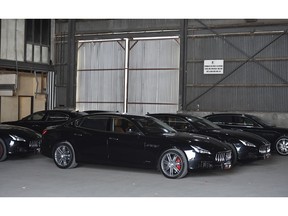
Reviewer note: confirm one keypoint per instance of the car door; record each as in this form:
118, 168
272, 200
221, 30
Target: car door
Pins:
125, 142
90, 136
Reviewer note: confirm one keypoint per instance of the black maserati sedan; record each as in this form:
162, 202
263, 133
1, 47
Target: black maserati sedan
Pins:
245, 146
250, 123
38, 121
17, 140
124, 139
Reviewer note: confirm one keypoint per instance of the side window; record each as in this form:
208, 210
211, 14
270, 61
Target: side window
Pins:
57, 117
35, 117
94, 123
221, 120
163, 119
247, 122
178, 124
121, 125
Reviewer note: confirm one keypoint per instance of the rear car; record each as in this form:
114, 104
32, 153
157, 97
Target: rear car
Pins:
245, 122
246, 146
17, 140
38, 121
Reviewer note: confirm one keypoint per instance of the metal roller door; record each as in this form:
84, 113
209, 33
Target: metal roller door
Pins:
129, 75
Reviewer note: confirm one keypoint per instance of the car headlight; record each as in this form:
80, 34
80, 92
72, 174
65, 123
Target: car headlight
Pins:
246, 143
200, 150
17, 138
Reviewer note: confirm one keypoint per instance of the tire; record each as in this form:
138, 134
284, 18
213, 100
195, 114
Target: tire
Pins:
64, 156
173, 164
3, 151
281, 146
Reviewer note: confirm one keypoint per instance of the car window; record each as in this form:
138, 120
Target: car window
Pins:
243, 121
122, 125
202, 124
38, 116
55, 116
177, 123
93, 122
221, 119
153, 125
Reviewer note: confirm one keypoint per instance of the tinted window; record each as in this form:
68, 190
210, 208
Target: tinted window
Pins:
95, 123
202, 124
35, 117
152, 125
57, 117
175, 122
243, 121
221, 119
121, 125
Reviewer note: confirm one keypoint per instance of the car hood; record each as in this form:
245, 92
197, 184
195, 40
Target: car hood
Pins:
227, 135
20, 131
202, 141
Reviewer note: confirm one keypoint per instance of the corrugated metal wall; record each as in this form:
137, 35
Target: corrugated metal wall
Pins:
258, 84
248, 84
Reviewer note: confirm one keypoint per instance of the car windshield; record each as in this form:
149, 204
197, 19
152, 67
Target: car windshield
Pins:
153, 125
201, 123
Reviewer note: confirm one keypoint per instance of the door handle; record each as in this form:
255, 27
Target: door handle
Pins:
113, 138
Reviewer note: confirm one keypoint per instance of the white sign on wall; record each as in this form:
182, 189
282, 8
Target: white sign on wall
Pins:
213, 66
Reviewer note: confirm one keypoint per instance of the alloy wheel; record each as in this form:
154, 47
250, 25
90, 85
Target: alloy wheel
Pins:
282, 146
172, 164
63, 156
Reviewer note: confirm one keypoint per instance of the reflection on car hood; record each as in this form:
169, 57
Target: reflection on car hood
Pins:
224, 134
20, 131
202, 141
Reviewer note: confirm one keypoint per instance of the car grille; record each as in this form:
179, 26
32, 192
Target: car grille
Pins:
223, 156
35, 143
264, 149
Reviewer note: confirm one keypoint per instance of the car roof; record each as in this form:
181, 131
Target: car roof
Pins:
117, 114
183, 115
62, 111
229, 114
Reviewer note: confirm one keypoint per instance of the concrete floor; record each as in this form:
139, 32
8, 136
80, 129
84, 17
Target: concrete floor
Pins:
38, 176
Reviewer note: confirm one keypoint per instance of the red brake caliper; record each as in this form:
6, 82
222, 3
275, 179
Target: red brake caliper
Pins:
178, 160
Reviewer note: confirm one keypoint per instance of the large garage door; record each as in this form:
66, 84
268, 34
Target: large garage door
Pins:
153, 76
100, 75
131, 75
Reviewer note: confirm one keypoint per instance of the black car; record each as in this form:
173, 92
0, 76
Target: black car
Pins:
244, 122
38, 121
132, 140
17, 140
99, 111
245, 145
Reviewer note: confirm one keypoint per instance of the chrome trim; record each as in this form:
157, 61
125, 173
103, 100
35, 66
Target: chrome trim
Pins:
223, 156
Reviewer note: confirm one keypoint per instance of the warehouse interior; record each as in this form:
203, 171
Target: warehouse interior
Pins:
140, 65
164, 57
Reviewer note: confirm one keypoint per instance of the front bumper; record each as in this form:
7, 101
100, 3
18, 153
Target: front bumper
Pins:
15, 147
220, 160
246, 152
